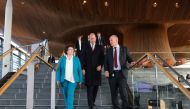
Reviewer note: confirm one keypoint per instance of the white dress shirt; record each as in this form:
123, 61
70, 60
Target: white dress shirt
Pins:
79, 44
69, 70
118, 62
92, 46
99, 40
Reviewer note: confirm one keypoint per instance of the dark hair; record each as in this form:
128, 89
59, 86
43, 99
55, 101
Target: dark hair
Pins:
67, 47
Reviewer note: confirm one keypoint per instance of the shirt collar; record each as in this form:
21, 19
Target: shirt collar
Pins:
117, 46
67, 57
93, 44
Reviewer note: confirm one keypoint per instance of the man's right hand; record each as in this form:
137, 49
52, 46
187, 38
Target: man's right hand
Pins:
106, 74
83, 72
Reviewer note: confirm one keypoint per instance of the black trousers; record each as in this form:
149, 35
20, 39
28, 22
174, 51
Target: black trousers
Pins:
118, 83
91, 94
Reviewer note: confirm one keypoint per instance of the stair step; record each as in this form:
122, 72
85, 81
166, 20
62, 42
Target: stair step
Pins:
13, 107
6, 78
5, 102
42, 102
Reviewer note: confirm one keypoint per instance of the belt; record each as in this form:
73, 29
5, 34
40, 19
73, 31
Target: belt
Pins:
116, 71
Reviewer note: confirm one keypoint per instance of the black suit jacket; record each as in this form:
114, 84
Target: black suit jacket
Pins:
103, 42
90, 61
78, 53
124, 57
51, 59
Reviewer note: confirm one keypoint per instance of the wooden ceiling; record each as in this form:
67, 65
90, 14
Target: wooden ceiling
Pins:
63, 20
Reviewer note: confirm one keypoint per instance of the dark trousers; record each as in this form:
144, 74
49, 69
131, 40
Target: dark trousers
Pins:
91, 94
117, 84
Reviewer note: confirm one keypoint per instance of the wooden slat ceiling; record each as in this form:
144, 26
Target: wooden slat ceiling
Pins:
64, 20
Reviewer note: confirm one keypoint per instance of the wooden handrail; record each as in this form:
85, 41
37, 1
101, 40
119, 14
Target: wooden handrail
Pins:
173, 70
16, 75
23, 52
6, 53
45, 61
169, 75
139, 60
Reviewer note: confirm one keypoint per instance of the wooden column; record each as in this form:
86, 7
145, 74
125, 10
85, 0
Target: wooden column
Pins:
147, 38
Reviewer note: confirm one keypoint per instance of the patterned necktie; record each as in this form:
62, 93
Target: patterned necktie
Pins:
115, 58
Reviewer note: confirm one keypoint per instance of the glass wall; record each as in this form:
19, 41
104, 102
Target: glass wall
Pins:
17, 60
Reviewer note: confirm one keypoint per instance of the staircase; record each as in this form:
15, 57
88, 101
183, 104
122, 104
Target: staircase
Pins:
15, 96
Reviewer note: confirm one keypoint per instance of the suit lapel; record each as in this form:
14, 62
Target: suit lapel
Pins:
120, 54
89, 47
112, 56
95, 47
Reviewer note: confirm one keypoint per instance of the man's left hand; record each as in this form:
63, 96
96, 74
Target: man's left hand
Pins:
132, 63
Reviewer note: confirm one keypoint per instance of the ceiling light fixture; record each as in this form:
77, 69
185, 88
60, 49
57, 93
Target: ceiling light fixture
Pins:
106, 3
22, 3
155, 4
84, 2
177, 5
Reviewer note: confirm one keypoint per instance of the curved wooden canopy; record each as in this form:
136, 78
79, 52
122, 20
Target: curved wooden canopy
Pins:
61, 21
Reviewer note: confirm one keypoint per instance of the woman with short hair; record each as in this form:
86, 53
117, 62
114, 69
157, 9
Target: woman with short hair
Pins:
68, 74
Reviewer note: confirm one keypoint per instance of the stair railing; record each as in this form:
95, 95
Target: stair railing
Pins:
30, 79
170, 76
157, 63
6, 53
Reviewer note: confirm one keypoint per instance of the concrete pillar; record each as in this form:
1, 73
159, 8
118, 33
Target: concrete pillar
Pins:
53, 89
47, 50
7, 36
30, 86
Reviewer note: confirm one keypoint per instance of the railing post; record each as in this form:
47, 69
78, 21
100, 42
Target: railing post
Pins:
156, 77
30, 86
162, 104
53, 89
133, 89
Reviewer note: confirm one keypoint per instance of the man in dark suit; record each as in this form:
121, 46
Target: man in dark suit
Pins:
116, 60
79, 46
51, 59
100, 40
92, 62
